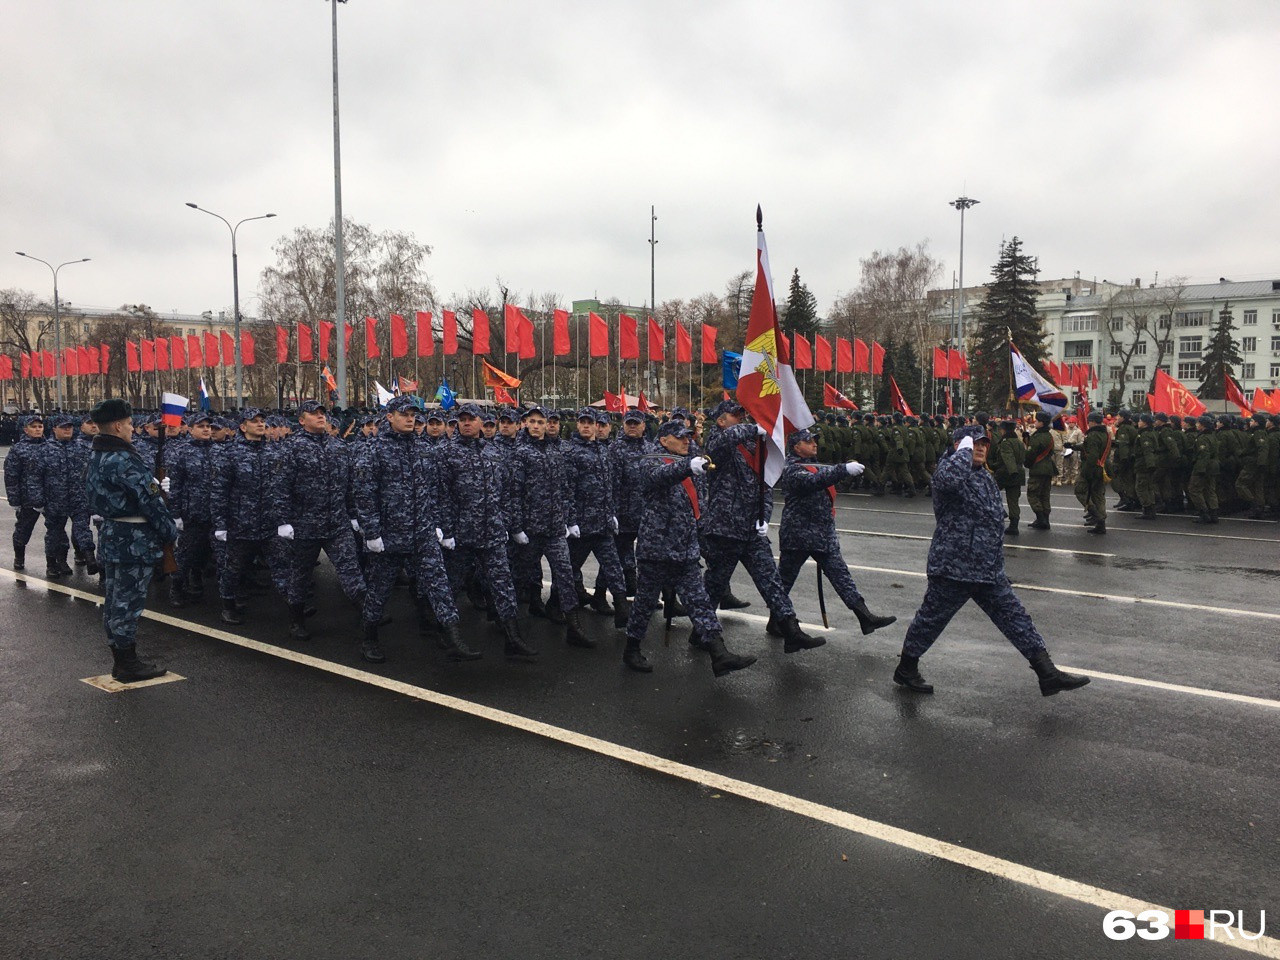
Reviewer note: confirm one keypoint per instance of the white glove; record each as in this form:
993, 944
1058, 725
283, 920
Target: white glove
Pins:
698, 466
761, 431
521, 538
966, 443
374, 546
355, 525
613, 524
164, 484
1068, 452
220, 535
572, 532
177, 522
439, 535
285, 530
448, 543
97, 519
762, 528
854, 468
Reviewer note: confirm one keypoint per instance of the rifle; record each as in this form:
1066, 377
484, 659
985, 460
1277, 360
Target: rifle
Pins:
168, 562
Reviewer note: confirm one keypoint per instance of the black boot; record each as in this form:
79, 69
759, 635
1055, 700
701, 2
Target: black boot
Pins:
772, 628
634, 659
869, 622
370, 649
797, 639
176, 597
574, 635
454, 648
621, 612
1148, 513
91, 566
1099, 526
1053, 680
671, 607
630, 577
297, 623
1012, 529
19, 557
1213, 518
1202, 517
908, 675
1041, 522
729, 602
517, 647
78, 558
536, 607
428, 624
475, 593
599, 602
722, 661
54, 571
129, 669
195, 585
230, 613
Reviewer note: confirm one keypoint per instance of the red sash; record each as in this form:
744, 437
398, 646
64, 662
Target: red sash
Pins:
831, 491
689, 489
752, 459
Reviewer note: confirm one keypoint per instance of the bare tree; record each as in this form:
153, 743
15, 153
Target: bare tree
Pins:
25, 321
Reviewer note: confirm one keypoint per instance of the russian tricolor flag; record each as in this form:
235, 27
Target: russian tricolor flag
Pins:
204, 395
172, 407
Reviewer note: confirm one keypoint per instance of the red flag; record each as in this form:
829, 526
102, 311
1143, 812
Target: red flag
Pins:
657, 342
803, 353
195, 358
597, 335
26, 366
210, 350
423, 333
178, 353
642, 402
282, 344
6, 368
346, 337
449, 334
162, 353
877, 359
326, 334
964, 366
500, 395
844, 355
83, 366
822, 352
941, 365
786, 348
560, 345
831, 397
1093, 373
684, 344
406, 385
399, 337
1265, 401
246, 348
614, 402
1234, 395
228, 349
306, 348
493, 377
628, 339
105, 352
955, 368
371, 348
131, 356
527, 349
1170, 396
70, 362
709, 354
479, 333
861, 357
511, 328
897, 400
37, 364
148, 355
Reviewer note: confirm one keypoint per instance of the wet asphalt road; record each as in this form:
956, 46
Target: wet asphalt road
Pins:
267, 808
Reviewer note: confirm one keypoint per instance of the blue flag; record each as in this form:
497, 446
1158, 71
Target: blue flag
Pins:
731, 363
448, 399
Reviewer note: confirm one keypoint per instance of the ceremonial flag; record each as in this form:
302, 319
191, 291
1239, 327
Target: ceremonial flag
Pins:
71, 361
767, 387
1170, 396
205, 403
83, 366
1030, 387
1093, 377
449, 333
306, 347
131, 357
246, 348
941, 365
210, 350
92, 362
327, 375
844, 355
479, 333
1234, 394
821, 352
628, 338
731, 364
6, 367
326, 333
615, 402
709, 354
178, 353
423, 334
803, 353
25, 366
861, 357
385, 396
50, 364
228, 349
684, 344
525, 325
148, 355
877, 359
282, 344
958, 366
897, 400
348, 330
642, 403
500, 395
162, 353
448, 399
406, 385
831, 397
1264, 401
597, 335
399, 337
371, 349
560, 345
105, 352
493, 377
657, 342
172, 407
511, 328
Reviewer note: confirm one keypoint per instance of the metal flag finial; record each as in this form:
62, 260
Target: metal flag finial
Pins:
759, 218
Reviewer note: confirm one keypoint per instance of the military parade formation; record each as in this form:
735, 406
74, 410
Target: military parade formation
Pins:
471, 502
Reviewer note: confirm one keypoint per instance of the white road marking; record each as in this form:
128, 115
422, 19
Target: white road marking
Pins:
111, 685
1087, 894
1007, 545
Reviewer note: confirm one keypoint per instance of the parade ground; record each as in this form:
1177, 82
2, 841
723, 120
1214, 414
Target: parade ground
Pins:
290, 801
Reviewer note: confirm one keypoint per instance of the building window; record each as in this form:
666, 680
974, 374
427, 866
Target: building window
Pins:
1275, 371
1162, 322
1139, 373
1275, 318
1190, 346
1138, 398
1275, 343
1113, 373
1248, 344
1115, 349
1116, 323
1188, 371
1077, 350
1193, 318
1250, 317
1079, 324
1163, 368
1246, 371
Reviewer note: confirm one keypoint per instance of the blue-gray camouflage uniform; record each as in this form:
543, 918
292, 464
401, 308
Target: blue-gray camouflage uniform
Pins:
628, 500
536, 508
244, 506
808, 526
22, 473
81, 529
62, 479
191, 479
122, 490
589, 506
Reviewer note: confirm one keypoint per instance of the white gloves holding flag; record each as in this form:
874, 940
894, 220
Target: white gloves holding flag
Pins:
762, 528
572, 532
164, 484
854, 468
521, 538
761, 431
355, 525
966, 443
448, 543
698, 466
375, 545
285, 530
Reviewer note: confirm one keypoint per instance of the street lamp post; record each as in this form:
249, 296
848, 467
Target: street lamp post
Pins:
235, 292
339, 270
57, 319
962, 204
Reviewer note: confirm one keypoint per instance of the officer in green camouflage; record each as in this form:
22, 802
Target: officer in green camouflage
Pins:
1146, 459
1041, 470
1251, 481
1091, 486
1122, 457
1006, 461
1203, 486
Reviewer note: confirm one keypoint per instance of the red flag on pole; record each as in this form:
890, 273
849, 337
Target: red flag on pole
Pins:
1236, 396
479, 333
898, 401
628, 338
246, 348
803, 353
657, 342
399, 337
229, 349
941, 365
178, 353
449, 333
105, 352
964, 366
597, 335
877, 359
831, 397
511, 328
371, 349
195, 357
955, 369
423, 333
25, 366
326, 334
210, 350
162, 353
844, 355
821, 352
148, 355
493, 377
527, 349
88, 357
282, 344
615, 402
131, 357
37, 364
500, 395
684, 344
709, 354
861, 357
560, 345
70, 362
306, 347
1170, 396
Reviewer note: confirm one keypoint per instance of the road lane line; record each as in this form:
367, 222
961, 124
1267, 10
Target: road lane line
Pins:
1007, 544
1098, 897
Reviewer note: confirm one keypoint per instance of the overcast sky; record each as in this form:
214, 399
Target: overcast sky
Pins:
528, 140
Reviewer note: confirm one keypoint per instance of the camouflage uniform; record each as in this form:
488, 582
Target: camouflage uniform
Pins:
62, 480
1091, 487
589, 507
808, 526
191, 474
244, 506
537, 510
22, 470
1041, 471
1203, 486
81, 528
1008, 455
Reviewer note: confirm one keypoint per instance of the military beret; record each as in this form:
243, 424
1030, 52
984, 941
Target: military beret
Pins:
731, 407
312, 406
105, 411
248, 413
466, 410
675, 428
633, 416
976, 432
799, 436
1095, 416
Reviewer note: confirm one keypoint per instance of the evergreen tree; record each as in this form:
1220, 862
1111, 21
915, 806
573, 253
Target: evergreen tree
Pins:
1219, 358
883, 403
907, 373
1009, 310
802, 309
